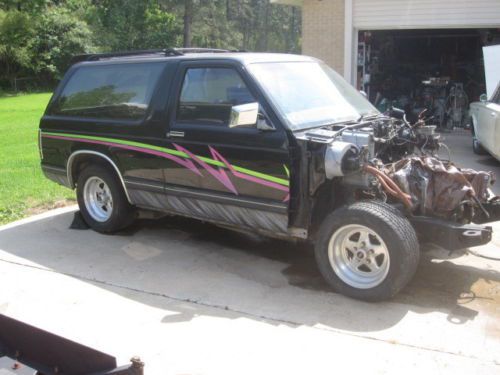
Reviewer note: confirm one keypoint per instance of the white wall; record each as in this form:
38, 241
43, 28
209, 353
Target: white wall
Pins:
415, 14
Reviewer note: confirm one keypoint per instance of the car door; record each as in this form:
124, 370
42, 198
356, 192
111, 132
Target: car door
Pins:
487, 117
478, 110
493, 111
240, 174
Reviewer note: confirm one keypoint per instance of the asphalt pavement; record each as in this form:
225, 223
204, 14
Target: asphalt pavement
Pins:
192, 298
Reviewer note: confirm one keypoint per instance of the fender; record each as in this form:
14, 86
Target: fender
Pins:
69, 168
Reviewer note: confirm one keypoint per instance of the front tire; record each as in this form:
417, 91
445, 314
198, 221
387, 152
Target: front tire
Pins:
367, 250
102, 201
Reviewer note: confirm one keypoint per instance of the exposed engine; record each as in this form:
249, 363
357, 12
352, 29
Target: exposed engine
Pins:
389, 159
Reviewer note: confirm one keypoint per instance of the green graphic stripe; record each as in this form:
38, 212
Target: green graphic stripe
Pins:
174, 152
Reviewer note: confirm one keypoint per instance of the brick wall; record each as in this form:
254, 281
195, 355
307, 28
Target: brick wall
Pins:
323, 31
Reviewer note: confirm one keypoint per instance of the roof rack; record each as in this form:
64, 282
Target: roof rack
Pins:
201, 50
148, 52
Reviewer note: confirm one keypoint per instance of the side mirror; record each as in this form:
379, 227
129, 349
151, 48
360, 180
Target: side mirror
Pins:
483, 98
362, 92
244, 115
263, 125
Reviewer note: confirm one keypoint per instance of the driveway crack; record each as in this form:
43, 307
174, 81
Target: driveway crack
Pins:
245, 313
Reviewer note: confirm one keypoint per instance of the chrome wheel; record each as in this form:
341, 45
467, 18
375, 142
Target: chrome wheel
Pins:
358, 256
98, 199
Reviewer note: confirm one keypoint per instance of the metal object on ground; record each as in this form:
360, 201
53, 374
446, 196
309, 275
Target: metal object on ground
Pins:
25, 349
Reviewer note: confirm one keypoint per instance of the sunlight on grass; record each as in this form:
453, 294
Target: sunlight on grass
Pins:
23, 187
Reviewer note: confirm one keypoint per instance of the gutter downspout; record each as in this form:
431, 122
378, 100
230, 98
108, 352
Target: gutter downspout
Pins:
348, 42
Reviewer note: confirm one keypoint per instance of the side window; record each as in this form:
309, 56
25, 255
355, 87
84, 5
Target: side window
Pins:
120, 91
208, 94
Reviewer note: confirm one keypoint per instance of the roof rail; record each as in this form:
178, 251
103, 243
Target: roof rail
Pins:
200, 50
110, 55
147, 52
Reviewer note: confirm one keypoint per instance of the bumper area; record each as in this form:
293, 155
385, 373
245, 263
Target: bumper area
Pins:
56, 174
448, 235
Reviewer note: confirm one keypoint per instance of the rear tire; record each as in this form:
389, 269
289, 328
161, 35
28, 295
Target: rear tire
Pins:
477, 148
367, 250
102, 201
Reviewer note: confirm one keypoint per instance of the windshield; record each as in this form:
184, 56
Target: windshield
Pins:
310, 94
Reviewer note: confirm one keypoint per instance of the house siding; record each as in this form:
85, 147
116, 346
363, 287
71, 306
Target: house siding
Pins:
323, 31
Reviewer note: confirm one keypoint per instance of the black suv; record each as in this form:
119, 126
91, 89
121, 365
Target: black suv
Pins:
274, 144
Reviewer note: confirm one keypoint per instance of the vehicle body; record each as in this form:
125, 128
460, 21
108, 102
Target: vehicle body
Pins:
485, 116
274, 144
25, 349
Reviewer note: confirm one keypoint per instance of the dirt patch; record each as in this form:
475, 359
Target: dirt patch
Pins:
49, 206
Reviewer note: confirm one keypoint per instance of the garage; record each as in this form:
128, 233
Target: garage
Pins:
437, 70
418, 55
423, 55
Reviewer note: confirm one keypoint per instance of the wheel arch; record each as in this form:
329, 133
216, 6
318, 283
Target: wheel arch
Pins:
473, 118
326, 199
78, 158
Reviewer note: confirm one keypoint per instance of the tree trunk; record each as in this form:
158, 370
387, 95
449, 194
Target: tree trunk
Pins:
266, 26
293, 36
188, 21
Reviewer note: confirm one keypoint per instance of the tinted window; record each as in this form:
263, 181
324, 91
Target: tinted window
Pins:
121, 91
209, 93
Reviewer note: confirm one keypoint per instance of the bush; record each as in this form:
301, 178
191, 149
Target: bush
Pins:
58, 36
16, 31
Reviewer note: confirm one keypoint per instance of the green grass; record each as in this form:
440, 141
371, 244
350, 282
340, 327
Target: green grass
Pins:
23, 187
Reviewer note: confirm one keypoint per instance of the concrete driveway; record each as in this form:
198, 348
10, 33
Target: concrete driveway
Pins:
191, 298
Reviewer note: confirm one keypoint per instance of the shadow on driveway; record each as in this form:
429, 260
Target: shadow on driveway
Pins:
193, 262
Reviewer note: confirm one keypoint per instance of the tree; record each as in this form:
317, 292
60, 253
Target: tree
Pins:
58, 36
39, 37
23, 5
16, 32
132, 24
188, 21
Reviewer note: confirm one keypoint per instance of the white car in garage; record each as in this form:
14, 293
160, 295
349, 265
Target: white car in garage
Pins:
485, 116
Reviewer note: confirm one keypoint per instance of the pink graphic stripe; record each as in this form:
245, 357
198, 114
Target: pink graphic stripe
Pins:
184, 162
220, 174
219, 157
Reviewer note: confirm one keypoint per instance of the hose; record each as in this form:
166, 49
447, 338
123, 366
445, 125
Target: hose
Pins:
481, 255
389, 186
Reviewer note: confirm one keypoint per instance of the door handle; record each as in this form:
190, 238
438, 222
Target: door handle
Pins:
175, 134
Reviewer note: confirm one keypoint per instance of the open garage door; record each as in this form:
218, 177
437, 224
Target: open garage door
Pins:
423, 53
439, 70
425, 14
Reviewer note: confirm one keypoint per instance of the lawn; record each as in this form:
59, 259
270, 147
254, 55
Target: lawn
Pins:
23, 187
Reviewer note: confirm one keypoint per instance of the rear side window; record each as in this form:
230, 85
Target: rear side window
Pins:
121, 91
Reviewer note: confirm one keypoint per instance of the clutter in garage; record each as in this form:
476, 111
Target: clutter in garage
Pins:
440, 71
